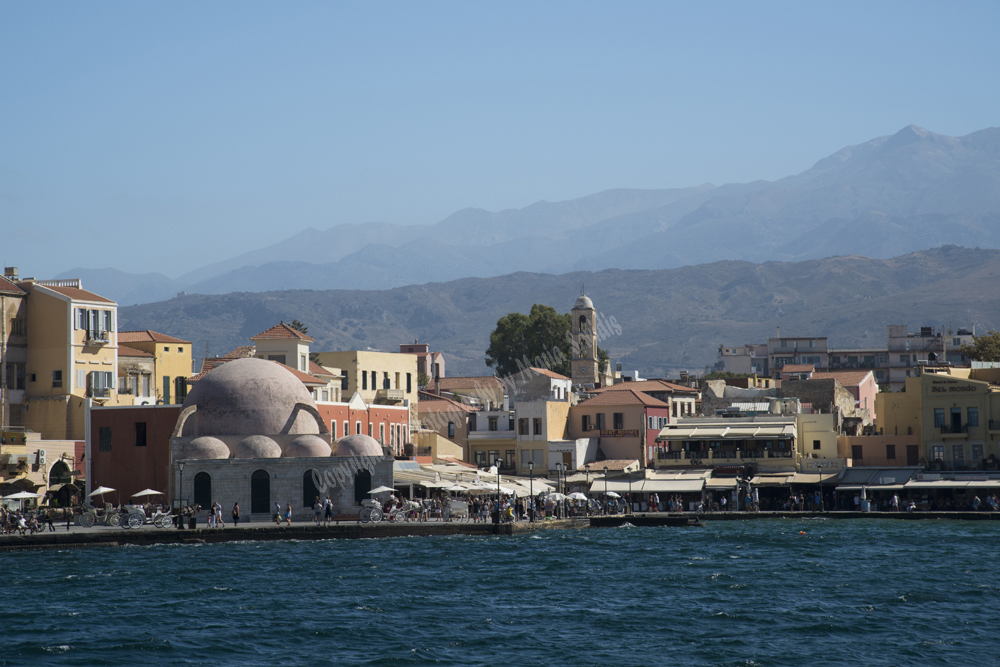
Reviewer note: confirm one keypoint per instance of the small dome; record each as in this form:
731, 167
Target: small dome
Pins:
583, 303
248, 397
205, 447
358, 445
257, 447
307, 446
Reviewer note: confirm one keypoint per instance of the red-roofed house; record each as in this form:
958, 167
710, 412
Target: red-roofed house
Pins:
284, 344
682, 400
626, 422
429, 363
860, 383
171, 367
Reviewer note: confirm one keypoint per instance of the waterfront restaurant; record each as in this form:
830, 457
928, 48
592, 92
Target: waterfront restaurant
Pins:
766, 441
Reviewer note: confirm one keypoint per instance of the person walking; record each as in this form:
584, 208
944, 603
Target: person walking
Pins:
236, 515
317, 511
276, 515
219, 523
288, 514
327, 510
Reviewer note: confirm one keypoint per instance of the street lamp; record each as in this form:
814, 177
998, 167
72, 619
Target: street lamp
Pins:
496, 519
630, 492
531, 491
180, 498
605, 486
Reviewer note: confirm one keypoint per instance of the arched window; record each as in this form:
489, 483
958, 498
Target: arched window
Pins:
203, 489
451, 429
60, 474
583, 324
362, 485
260, 492
309, 491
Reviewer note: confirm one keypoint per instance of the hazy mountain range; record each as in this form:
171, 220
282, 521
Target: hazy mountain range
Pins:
892, 195
671, 319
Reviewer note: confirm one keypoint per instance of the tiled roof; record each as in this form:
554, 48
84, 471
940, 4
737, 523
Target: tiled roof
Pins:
78, 294
478, 382
282, 332
797, 368
7, 287
305, 377
316, 369
612, 464
626, 397
242, 352
147, 336
452, 459
848, 378
433, 403
125, 351
550, 374
208, 364
647, 385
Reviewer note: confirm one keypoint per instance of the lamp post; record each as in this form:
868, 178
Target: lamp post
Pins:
496, 518
531, 491
180, 498
587, 468
605, 486
630, 492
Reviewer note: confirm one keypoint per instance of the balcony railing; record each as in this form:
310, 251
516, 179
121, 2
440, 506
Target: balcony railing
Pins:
994, 425
722, 455
952, 428
99, 392
389, 395
98, 337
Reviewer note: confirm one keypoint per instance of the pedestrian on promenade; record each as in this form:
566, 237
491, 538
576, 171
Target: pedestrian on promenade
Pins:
276, 514
756, 500
236, 515
317, 511
219, 523
288, 514
895, 502
327, 510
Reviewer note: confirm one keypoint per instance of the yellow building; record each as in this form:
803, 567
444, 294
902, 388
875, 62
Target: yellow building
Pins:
380, 377
72, 357
953, 412
13, 345
171, 364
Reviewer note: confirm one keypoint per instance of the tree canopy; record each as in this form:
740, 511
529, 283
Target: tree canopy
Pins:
984, 348
540, 339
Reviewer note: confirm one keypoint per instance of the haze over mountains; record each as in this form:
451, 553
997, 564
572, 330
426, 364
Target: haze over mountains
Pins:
671, 319
890, 196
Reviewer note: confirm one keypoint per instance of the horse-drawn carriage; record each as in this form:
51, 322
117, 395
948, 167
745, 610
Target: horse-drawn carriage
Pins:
371, 511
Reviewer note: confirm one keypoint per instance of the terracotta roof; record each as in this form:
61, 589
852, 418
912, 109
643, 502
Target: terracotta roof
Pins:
126, 351
848, 378
7, 287
797, 368
147, 336
316, 369
452, 459
626, 397
305, 377
647, 385
282, 332
478, 382
550, 374
433, 403
210, 363
611, 464
242, 352
77, 294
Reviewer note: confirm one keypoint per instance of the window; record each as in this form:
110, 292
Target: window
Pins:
385, 381
333, 429
977, 452
347, 428
326, 394
364, 379
509, 458
180, 349
619, 419
480, 458
381, 433
538, 425
890, 452
812, 343
493, 424
494, 456
652, 422
937, 452
958, 453
56, 379
180, 388
369, 429
18, 327
817, 444
835, 360
302, 363
938, 417
15, 375
140, 434
522, 427
600, 420
409, 383
879, 375
357, 427
510, 423
345, 381
166, 349
166, 390
104, 438
869, 360
280, 358
973, 416
585, 422
904, 359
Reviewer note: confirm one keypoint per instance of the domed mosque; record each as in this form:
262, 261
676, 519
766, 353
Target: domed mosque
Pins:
250, 432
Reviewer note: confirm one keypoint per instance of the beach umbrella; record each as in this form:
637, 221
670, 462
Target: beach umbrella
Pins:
22, 495
576, 495
382, 489
100, 491
147, 492
612, 494
557, 496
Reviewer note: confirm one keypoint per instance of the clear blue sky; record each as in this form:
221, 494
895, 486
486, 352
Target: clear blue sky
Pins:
161, 136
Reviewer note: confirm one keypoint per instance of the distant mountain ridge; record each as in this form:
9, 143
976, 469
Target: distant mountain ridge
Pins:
891, 195
671, 319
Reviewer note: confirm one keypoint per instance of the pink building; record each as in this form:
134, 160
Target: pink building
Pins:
860, 383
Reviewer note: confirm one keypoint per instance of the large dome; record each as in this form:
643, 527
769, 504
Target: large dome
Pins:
205, 447
583, 303
257, 447
307, 446
358, 445
249, 397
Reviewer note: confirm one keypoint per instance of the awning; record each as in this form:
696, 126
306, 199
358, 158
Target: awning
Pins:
721, 483
771, 480
672, 485
937, 484
812, 478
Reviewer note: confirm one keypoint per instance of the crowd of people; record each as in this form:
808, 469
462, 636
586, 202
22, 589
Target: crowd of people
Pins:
16, 522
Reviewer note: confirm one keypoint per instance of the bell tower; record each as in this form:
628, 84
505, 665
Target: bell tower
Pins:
584, 341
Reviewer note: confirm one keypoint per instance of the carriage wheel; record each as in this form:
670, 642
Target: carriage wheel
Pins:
377, 515
114, 520
135, 520
365, 515
87, 520
400, 517
161, 521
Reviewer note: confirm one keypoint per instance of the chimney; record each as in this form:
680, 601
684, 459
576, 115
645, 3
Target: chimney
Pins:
779, 333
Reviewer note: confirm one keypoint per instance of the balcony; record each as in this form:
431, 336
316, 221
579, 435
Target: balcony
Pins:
720, 457
953, 429
97, 337
994, 425
492, 435
389, 396
99, 392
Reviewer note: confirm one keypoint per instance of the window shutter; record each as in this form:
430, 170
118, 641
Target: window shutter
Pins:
81, 378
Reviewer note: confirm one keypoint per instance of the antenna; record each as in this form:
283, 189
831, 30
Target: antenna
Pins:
582, 290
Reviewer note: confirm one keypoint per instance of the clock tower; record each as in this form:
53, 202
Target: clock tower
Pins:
584, 342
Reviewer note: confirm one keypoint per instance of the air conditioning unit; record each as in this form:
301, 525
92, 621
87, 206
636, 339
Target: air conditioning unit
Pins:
41, 457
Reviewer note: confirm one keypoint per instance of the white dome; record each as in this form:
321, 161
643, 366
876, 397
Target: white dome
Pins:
257, 447
307, 446
205, 447
358, 445
583, 303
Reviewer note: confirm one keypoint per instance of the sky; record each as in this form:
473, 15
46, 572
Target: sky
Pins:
162, 136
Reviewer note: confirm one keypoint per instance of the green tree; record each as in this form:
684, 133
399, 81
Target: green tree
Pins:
298, 326
540, 339
984, 348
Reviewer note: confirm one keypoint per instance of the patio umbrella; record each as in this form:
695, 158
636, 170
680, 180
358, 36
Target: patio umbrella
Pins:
455, 487
557, 496
147, 492
576, 495
612, 494
22, 495
100, 491
381, 489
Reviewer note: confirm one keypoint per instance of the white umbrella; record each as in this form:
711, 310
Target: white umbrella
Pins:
381, 489
612, 494
147, 492
556, 496
576, 495
455, 487
99, 491
22, 495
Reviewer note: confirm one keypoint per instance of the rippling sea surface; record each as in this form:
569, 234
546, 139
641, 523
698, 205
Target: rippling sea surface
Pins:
732, 593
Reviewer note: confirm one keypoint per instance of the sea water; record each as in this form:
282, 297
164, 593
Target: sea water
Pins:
865, 592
